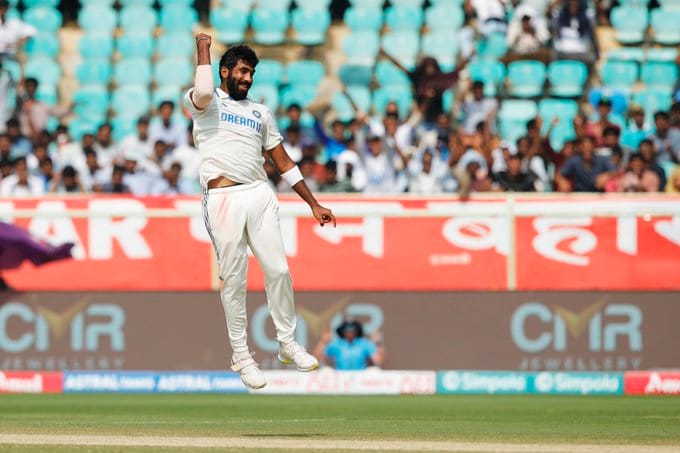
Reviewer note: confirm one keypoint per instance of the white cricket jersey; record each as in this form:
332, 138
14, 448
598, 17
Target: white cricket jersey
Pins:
230, 136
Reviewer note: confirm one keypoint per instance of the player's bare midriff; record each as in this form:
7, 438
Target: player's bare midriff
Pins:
221, 181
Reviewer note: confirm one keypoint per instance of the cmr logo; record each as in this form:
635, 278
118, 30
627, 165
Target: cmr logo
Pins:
23, 327
604, 324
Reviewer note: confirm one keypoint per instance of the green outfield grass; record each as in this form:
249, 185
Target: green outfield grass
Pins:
609, 420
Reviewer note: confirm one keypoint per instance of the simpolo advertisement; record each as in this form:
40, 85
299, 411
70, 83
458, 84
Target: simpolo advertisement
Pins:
522, 331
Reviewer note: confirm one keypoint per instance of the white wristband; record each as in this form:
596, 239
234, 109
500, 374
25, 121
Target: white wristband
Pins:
292, 176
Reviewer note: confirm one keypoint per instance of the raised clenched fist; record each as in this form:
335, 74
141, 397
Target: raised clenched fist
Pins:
203, 39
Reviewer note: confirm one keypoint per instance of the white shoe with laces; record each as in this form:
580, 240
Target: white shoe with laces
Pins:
250, 372
294, 354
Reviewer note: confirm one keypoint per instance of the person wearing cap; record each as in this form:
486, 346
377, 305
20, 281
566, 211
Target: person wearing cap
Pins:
350, 350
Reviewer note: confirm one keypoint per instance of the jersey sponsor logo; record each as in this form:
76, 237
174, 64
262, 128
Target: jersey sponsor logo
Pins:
241, 121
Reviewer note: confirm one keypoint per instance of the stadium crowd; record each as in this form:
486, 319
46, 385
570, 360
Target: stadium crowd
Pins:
429, 151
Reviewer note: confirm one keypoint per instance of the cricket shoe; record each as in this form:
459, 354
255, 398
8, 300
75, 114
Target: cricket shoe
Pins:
250, 372
294, 354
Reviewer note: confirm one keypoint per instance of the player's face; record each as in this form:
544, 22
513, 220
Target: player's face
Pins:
239, 80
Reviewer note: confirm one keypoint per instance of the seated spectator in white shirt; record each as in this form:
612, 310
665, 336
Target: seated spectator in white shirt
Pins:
67, 182
527, 38
172, 133
136, 177
21, 146
107, 151
13, 32
477, 107
293, 142
46, 173
187, 155
170, 183
96, 175
157, 162
574, 36
116, 184
490, 15
21, 183
379, 167
425, 179
138, 142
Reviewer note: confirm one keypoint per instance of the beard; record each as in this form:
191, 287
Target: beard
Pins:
237, 91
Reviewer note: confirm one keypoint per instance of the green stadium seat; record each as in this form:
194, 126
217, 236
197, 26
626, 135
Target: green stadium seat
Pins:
44, 69
399, 94
652, 101
666, 26
669, 4
404, 19
659, 75
131, 100
269, 72
183, 3
124, 125
549, 108
270, 26
449, 18
91, 101
34, 3
132, 71
47, 94
173, 71
629, 23
448, 3
407, 3
355, 75
97, 18
167, 92
619, 74
567, 78
662, 54
526, 78
304, 72
231, 24
561, 133
491, 72
14, 69
81, 125
138, 19
388, 75
178, 18
313, 4
636, 54
265, 93
372, 4
513, 116
343, 107
310, 25
494, 47
94, 71
44, 18
176, 44
403, 46
443, 46
106, 3
13, 13
133, 3
243, 5
360, 18
274, 5
42, 44
298, 94
96, 45
139, 44
361, 47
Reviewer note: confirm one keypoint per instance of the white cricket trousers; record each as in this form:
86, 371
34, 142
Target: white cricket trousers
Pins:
237, 217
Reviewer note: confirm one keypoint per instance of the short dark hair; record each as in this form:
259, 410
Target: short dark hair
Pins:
661, 115
294, 106
68, 172
478, 84
32, 80
611, 130
4, 4
240, 52
90, 152
45, 160
532, 123
645, 141
166, 103
12, 122
19, 159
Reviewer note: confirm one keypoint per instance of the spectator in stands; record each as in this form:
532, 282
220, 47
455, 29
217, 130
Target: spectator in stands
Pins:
429, 84
46, 173
117, 184
21, 182
5, 147
673, 185
333, 144
6, 169
187, 156
171, 132
584, 171
294, 115
425, 176
350, 166
490, 14
67, 181
601, 121
611, 148
539, 153
170, 183
138, 142
468, 164
666, 139
158, 162
21, 146
639, 178
33, 160
514, 179
350, 350
379, 166
332, 184
6, 111
293, 142
95, 175
107, 151
574, 34
477, 107
13, 33
648, 154
34, 114
636, 128
527, 37
136, 178
675, 110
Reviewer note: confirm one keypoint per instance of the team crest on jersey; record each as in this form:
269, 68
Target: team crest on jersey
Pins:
257, 114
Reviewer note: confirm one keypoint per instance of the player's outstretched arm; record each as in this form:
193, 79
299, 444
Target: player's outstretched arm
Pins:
203, 80
290, 172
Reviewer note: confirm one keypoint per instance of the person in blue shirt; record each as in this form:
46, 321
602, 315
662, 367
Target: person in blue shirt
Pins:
350, 350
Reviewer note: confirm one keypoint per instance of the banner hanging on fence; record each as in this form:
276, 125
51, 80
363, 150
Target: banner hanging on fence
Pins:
620, 243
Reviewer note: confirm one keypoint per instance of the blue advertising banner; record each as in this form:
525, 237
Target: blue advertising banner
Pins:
508, 382
152, 382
